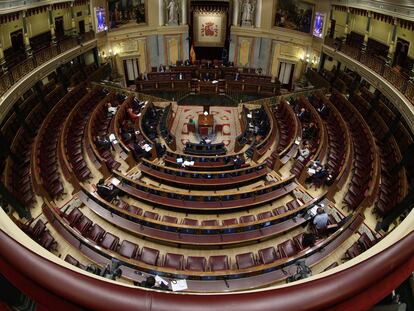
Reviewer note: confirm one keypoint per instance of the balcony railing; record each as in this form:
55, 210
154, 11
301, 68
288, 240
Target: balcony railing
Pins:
392, 75
23, 68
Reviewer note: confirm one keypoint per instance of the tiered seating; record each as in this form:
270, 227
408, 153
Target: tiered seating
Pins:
203, 179
340, 152
90, 235
393, 186
365, 178
205, 149
40, 234
99, 125
45, 166
149, 121
73, 134
165, 125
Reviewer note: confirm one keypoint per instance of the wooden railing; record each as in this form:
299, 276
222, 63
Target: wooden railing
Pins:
404, 85
38, 58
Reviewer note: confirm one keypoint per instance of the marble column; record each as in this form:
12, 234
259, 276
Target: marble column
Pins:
88, 5
161, 13
393, 43
258, 18
26, 39
72, 14
183, 12
51, 24
366, 35
236, 6
346, 31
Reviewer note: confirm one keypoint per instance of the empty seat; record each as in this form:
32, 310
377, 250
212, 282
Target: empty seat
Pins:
268, 255
190, 222
72, 260
149, 256
196, 263
212, 222
174, 261
38, 229
128, 249
264, 215
364, 241
151, 215
247, 218
287, 249
229, 222
74, 216
280, 210
169, 219
83, 225
218, 263
46, 240
109, 241
245, 260
96, 233
353, 251
294, 204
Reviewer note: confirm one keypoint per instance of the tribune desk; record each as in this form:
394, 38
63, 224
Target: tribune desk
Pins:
205, 124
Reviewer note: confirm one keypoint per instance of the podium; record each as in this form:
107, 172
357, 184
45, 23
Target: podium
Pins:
205, 124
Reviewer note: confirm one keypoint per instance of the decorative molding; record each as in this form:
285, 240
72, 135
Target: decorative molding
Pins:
398, 8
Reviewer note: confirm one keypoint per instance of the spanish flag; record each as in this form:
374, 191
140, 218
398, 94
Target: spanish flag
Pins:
192, 54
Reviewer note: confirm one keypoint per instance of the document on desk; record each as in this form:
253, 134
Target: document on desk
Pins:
115, 181
160, 280
177, 285
112, 137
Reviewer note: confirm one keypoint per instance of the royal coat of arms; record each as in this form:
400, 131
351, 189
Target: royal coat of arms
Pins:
209, 29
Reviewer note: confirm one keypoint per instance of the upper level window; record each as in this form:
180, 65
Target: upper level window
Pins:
125, 11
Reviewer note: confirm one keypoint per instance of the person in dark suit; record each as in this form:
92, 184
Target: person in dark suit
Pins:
303, 115
108, 192
103, 142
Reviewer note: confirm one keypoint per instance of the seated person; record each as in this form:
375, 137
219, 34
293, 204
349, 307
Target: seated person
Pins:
320, 220
323, 111
329, 180
111, 110
131, 115
108, 192
310, 131
309, 239
103, 142
126, 136
303, 115
187, 62
304, 152
320, 175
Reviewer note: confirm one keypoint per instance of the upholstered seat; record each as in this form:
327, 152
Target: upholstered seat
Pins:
174, 261
72, 260
294, 204
218, 263
149, 256
38, 229
280, 210
264, 215
353, 251
196, 263
83, 225
134, 210
151, 215
229, 222
245, 260
364, 241
287, 249
128, 249
268, 255
74, 216
247, 218
46, 240
211, 222
96, 233
169, 219
109, 241
190, 222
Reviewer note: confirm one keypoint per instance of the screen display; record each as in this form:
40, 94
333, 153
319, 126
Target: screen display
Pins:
318, 24
100, 19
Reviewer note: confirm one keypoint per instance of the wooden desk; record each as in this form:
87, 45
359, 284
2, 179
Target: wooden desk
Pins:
207, 120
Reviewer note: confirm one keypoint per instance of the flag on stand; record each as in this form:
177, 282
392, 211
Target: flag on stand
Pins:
192, 54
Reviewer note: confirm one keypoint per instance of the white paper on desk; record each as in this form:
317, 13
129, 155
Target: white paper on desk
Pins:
160, 280
313, 211
115, 181
177, 285
112, 137
180, 160
249, 115
311, 171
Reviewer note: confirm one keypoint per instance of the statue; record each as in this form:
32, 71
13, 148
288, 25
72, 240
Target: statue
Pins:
247, 13
172, 9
